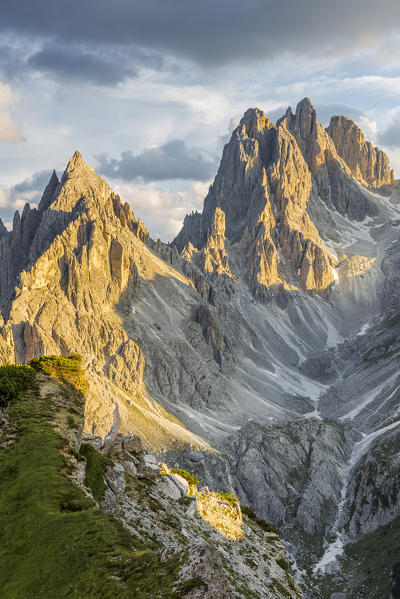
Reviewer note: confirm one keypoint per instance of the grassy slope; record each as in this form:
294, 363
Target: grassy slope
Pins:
53, 542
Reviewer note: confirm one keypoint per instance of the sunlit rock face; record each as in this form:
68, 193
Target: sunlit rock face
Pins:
368, 164
326, 156
263, 186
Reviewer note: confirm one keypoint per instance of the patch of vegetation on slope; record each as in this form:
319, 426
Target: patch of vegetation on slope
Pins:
370, 561
365, 567
96, 465
54, 542
64, 368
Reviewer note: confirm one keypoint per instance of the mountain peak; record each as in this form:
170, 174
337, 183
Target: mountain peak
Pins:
369, 165
75, 160
255, 120
305, 103
76, 165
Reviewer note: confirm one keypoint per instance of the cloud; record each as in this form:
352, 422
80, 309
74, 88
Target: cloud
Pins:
9, 130
29, 190
172, 160
163, 210
75, 63
390, 137
3, 198
369, 128
207, 32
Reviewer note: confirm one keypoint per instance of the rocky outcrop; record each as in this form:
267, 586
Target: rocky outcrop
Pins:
222, 554
333, 178
368, 164
213, 258
374, 490
263, 186
291, 474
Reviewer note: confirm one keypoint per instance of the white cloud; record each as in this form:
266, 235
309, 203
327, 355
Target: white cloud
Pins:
9, 130
4, 195
369, 128
20, 203
163, 210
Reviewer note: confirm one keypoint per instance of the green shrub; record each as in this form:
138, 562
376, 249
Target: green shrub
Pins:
65, 368
192, 480
249, 511
279, 587
283, 563
229, 497
192, 583
267, 526
14, 379
96, 465
186, 500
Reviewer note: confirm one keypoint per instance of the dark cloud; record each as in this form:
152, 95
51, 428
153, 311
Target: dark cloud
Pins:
390, 137
12, 61
70, 62
172, 160
31, 185
88, 63
208, 32
29, 190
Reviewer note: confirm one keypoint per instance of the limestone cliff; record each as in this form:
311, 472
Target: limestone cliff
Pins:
263, 186
84, 252
333, 178
368, 164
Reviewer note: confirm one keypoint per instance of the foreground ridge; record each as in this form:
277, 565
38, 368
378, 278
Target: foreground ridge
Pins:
151, 546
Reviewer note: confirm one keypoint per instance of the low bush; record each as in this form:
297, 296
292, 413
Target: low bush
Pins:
14, 379
65, 368
229, 497
192, 583
96, 465
283, 563
192, 480
249, 511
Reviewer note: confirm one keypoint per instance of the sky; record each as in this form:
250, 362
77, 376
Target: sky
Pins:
150, 91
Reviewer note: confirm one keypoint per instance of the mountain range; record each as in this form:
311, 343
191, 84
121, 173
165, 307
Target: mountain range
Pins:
258, 351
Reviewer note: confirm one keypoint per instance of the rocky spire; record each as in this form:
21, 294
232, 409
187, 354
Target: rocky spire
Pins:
3, 230
214, 257
49, 191
255, 120
262, 188
368, 164
333, 179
